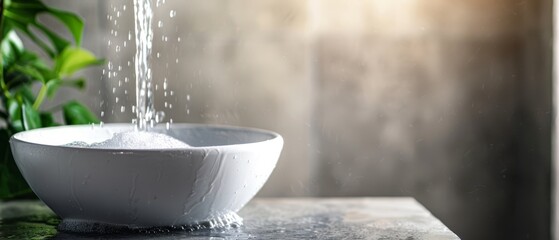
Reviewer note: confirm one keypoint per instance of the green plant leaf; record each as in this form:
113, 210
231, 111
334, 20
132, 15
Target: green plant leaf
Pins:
30, 71
12, 46
15, 120
26, 94
47, 120
25, 67
55, 84
13, 109
72, 21
31, 118
14, 80
23, 14
73, 59
52, 87
75, 113
59, 42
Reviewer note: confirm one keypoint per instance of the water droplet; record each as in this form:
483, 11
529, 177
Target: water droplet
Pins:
102, 113
160, 24
172, 13
159, 116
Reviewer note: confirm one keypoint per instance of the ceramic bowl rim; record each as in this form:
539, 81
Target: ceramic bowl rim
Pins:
17, 139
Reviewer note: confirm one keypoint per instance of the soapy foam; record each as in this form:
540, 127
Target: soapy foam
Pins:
135, 140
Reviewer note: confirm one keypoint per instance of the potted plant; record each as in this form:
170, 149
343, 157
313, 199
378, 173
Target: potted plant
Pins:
24, 71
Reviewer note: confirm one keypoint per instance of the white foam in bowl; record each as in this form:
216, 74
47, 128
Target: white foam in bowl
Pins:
135, 140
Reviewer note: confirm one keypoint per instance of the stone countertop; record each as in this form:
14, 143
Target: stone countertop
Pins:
274, 218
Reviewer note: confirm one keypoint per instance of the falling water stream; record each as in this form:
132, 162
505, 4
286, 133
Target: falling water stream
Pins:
145, 108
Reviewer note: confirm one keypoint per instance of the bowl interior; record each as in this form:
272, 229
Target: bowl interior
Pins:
192, 134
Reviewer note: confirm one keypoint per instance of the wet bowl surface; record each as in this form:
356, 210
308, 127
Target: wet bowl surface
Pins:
217, 176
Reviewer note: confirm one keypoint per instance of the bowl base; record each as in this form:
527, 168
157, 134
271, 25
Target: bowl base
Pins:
227, 221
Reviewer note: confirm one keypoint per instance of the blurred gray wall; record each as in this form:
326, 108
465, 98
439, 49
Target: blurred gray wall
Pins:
445, 101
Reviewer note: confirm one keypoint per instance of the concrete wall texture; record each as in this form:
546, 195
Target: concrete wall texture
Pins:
445, 101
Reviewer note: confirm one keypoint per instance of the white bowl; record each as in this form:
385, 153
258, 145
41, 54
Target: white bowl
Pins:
217, 176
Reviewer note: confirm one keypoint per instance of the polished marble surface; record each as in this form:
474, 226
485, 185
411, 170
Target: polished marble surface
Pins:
275, 218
